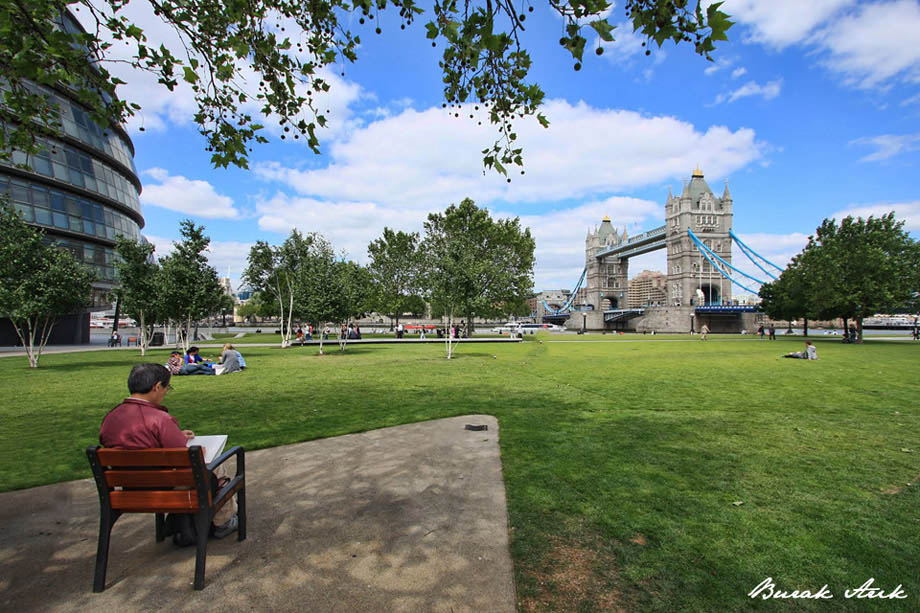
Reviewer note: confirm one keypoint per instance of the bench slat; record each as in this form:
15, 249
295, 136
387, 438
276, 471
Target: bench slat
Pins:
150, 478
148, 458
154, 501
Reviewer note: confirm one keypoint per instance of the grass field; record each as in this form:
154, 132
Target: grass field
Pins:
625, 458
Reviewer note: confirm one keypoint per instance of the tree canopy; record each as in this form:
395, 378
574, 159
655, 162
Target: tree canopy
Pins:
851, 270
289, 46
395, 268
138, 279
475, 265
39, 283
189, 287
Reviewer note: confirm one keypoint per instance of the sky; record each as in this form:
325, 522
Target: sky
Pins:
811, 110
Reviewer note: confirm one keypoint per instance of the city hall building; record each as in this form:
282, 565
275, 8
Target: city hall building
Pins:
82, 190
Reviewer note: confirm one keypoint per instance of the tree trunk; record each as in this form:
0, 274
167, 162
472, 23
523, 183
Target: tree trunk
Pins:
143, 334
805, 329
859, 330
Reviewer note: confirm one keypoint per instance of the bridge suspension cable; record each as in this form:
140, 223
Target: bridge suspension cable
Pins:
568, 303
746, 250
709, 255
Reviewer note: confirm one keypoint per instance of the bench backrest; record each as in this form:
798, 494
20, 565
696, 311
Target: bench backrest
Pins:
146, 480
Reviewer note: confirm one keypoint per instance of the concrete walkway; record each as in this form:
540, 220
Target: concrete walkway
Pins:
411, 518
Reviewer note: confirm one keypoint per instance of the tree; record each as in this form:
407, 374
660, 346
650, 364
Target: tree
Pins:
354, 292
288, 47
138, 291
864, 265
225, 307
395, 268
38, 283
851, 271
793, 295
189, 286
476, 266
273, 271
318, 284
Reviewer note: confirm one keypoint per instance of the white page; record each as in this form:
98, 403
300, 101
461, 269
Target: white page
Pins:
213, 445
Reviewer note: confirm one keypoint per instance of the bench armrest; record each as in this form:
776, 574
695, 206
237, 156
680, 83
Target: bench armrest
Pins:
236, 450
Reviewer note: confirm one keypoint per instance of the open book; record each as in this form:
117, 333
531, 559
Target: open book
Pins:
213, 445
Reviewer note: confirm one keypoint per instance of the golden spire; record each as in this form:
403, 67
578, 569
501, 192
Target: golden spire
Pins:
606, 218
698, 172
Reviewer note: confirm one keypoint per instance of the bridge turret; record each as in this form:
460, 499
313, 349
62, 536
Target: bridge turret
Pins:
726, 197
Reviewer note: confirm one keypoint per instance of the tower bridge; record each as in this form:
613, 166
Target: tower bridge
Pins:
698, 237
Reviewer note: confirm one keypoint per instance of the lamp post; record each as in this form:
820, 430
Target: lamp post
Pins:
584, 317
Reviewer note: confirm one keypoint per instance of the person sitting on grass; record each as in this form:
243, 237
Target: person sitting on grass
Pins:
194, 365
174, 363
142, 422
230, 361
810, 353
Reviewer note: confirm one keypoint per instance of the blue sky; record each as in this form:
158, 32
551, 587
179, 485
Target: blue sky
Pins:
811, 110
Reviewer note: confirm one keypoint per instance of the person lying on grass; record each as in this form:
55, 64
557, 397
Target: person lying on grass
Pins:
810, 353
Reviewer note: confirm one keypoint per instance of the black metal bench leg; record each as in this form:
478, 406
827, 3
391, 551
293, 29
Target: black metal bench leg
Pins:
160, 527
106, 521
203, 527
241, 513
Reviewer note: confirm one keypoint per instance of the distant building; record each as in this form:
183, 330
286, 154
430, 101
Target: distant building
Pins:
648, 288
82, 189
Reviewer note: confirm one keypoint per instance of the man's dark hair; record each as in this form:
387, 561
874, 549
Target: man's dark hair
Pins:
192, 350
144, 376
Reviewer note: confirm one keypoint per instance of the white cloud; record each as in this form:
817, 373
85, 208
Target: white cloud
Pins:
781, 23
718, 65
626, 44
908, 212
875, 45
912, 100
191, 197
888, 145
224, 256
739, 72
769, 91
427, 160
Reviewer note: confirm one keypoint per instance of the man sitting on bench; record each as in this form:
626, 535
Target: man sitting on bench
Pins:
142, 422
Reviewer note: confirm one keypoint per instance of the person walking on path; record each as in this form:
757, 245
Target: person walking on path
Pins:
703, 332
772, 332
760, 331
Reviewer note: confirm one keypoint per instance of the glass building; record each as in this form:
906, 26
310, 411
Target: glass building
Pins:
82, 189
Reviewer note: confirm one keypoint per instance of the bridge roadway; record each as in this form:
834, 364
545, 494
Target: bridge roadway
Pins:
646, 242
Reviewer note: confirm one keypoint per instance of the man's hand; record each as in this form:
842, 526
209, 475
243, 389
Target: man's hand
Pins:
188, 434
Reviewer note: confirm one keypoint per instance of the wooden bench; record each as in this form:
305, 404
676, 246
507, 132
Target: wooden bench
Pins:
132, 339
162, 481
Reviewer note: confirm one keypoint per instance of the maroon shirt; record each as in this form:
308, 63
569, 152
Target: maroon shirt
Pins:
138, 424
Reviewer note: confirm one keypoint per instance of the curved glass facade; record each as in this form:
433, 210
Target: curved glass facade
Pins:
83, 192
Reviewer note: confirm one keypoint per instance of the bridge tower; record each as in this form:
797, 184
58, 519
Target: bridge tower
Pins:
691, 278
606, 278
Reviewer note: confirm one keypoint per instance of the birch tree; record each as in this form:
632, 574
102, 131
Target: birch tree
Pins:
138, 291
189, 286
39, 283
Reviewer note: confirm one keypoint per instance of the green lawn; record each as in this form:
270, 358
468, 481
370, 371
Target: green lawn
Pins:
623, 457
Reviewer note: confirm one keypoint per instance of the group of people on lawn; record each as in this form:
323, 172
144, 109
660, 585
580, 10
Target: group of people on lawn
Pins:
192, 363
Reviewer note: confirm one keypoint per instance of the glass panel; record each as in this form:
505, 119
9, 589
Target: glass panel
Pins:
26, 211
73, 206
76, 224
43, 166
73, 158
61, 172
76, 177
89, 227
40, 197
86, 164
90, 183
20, 193
60, 220
57, 201
43, 217
99, 215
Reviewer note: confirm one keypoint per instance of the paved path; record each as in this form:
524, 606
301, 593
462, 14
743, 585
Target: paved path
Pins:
411, 518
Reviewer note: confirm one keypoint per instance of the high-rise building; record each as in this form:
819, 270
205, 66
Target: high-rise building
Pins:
648, 288
82, 189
